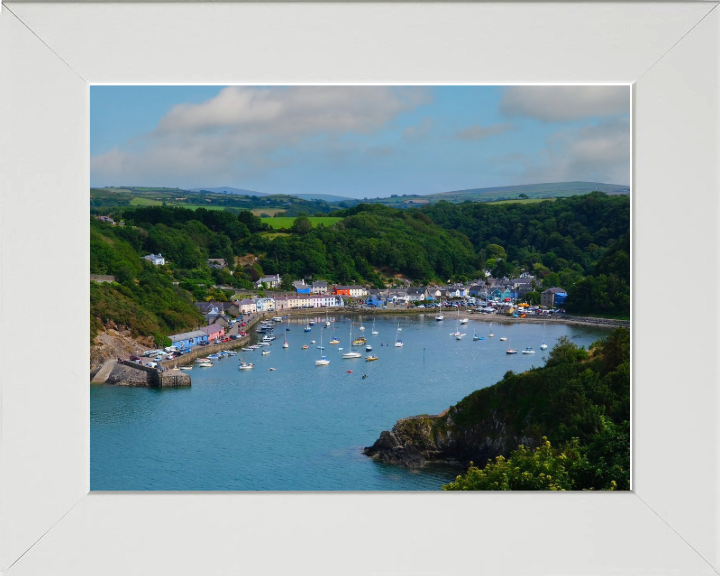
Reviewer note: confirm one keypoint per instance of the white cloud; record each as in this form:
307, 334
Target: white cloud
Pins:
244, 131
565, 103
477, 132
597, 153
418, 133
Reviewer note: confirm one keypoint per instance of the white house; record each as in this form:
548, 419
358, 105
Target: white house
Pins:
270, 281
319, 287
326, 300
156, 259
265, 304
247, 305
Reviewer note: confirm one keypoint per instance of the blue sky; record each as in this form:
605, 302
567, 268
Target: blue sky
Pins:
358, 141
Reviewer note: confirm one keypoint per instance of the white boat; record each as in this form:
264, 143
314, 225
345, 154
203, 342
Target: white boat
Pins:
373, 331
262, 344
321, 347
286, 345
543, 346
230, 352
398, 342
185, 367
368, 348
503, 338
334, 341
277, 318
528, 350
509, 350
491, 334
327, 322
361, 328
351, 353
463, 320
200, 360
245, 366
313, 341
458, 335
205, 364
265, 352
439, 317
267, 338
322, 361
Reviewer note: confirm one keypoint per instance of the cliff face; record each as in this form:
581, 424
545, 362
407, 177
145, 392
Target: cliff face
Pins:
567, 398
416, 440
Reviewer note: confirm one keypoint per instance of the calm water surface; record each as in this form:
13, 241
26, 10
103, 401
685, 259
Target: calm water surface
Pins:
303, 427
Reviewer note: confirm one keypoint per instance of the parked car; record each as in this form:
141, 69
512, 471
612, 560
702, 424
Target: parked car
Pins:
152, 364
226, 339
135, 358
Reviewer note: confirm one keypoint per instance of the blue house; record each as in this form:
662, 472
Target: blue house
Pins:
187, 340
301, 287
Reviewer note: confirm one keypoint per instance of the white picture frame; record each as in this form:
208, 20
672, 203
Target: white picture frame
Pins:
49, 522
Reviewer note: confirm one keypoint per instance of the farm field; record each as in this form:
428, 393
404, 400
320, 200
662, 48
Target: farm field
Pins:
522, 201
152, 202
287, 222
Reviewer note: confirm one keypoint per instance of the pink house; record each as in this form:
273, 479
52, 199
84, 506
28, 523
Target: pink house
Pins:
214, 331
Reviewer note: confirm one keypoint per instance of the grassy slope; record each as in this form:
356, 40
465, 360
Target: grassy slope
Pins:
287, 222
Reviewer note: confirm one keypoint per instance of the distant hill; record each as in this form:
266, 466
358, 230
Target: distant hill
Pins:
229, 190
554, 189
323, 197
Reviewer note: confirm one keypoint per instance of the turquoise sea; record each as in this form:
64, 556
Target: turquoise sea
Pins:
303, 427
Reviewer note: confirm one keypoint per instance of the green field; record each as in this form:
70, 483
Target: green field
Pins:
137, 201
287, 222
522, 201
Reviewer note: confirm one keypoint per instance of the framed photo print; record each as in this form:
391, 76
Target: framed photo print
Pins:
363, 288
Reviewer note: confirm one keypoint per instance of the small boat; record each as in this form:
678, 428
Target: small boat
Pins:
311, 323
265, 352
373, 331
322, 361
491, 334
334, 341
503, 338
205, 364
463, 320
230, 353
341, 349
272, 369
308, 328
200, 360
268, 338
368, 348
327, 322
305, 347
213, 356
262, 344
439, 317
398, 342
370, 358
351, 354
246, 366
528, 350
185, 367
286, 345
543, 346
361, 328
510, 350
321, 347
277, 318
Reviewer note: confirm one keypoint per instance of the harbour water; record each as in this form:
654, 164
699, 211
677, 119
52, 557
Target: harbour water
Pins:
303, 427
